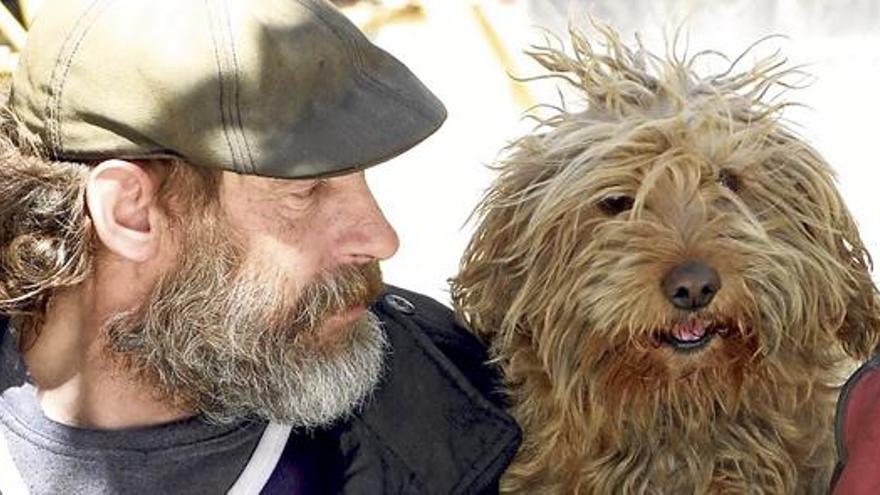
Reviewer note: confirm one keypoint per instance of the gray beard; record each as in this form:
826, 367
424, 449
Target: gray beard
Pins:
306, 389
230, 347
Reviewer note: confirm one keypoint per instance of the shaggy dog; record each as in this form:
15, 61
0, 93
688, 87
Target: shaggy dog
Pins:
670, 283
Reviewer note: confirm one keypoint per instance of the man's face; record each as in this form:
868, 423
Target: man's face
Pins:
264, 312
299, 229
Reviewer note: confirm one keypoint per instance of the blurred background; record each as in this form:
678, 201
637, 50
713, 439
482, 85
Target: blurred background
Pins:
466, 51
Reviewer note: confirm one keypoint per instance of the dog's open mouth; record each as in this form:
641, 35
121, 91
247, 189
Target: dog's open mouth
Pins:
692, 335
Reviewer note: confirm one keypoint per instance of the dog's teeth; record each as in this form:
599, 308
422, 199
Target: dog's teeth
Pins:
689, 332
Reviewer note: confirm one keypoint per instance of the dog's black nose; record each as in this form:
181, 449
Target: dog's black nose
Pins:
691, 286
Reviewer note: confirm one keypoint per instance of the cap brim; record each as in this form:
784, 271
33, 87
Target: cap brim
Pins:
382, 117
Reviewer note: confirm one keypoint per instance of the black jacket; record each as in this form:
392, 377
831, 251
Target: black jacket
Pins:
435, 425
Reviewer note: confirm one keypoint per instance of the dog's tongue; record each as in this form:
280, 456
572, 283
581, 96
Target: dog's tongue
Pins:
690, 331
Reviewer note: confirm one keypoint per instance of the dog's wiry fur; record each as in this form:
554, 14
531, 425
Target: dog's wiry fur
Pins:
567, 290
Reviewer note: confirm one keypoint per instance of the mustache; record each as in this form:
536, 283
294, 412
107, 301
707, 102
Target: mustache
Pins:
339, 290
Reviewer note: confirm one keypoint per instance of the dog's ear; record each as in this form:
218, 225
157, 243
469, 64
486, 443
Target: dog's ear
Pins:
506, 256
860, 332
484, 287
848, 295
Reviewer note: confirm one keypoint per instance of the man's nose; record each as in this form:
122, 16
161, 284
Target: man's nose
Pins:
381, 241
370, 236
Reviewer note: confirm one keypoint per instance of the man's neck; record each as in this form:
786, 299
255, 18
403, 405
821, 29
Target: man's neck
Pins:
77, 385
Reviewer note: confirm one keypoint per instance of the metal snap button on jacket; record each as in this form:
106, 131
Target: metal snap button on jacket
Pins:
400, 304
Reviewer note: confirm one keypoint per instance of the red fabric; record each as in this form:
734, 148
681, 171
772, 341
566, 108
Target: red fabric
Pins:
860, 474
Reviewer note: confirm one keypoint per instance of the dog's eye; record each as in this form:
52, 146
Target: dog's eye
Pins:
612, 205
729, 179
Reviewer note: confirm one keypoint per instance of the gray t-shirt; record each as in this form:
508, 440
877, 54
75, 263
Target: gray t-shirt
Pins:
186, 457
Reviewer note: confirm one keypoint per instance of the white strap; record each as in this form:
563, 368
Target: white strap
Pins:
10, 479
266, 456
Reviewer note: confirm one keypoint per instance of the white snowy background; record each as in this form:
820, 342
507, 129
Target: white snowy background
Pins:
428, 193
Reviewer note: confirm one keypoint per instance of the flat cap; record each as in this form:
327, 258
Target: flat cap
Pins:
278, 88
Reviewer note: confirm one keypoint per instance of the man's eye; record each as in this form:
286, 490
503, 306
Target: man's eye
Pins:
612, 205
310, 189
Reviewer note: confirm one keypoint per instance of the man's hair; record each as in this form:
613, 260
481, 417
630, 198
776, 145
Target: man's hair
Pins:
47, 243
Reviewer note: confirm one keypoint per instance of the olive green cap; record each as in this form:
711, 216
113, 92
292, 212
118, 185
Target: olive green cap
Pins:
279, 88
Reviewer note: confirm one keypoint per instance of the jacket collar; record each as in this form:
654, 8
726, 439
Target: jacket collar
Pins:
450, 436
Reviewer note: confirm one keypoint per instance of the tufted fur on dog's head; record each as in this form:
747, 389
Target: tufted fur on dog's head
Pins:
587, 217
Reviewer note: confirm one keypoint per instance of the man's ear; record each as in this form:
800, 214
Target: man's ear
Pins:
122, 201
